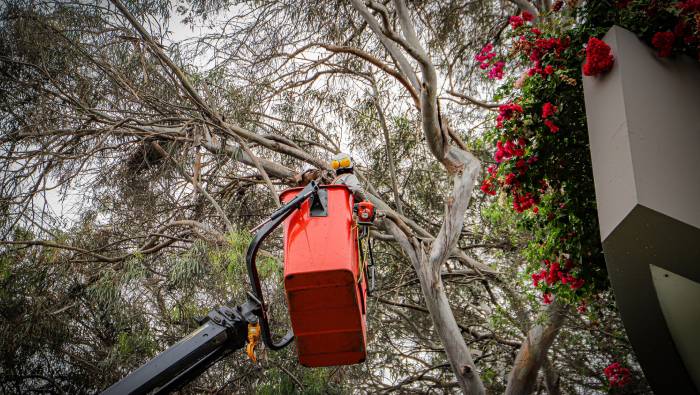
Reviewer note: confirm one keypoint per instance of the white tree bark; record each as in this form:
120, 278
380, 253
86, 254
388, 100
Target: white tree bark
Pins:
428, 266
464, 169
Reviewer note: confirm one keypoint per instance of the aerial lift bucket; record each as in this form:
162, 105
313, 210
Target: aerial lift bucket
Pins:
325, 284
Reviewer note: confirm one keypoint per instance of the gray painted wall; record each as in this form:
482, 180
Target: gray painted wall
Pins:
644, 131
644, 127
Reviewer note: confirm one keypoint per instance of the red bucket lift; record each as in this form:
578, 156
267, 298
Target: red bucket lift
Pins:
325, 284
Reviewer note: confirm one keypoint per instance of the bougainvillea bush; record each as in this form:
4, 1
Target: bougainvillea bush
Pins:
541, 157
541, 161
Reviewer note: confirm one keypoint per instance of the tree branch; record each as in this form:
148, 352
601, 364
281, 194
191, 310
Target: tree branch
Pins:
380, 65
525, 5
222, 214
401, 61
480, 103
387, 142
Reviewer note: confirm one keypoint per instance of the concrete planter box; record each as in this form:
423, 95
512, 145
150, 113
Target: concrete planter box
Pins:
644, 128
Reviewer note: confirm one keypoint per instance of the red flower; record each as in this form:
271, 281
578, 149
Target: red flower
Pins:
552, 127
506, 112
509, 109
598, 58
523, 202
582, 307
501, 153
617, 375
554, 272
484, 56
516, 21
509, 148
514, 148
563, 278
527, 16
546, 44
487, 186
485, 53
496, 71
547, 298
689, 5
575, 283
548, 69
663, 41
562, 44
510, 178
548, 109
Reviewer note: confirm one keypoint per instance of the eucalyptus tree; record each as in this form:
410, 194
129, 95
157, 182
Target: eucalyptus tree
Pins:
171, 151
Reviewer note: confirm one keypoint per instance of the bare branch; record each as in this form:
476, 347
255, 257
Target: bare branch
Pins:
525, 5
387, 143
401, 61
480, 103
222, 214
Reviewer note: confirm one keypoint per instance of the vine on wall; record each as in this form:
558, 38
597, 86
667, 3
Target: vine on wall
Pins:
540, 138
541, 161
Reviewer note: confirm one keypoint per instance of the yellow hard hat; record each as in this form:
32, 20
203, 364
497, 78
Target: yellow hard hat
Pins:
342, 161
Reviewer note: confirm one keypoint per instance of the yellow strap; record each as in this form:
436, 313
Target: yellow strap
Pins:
253, 339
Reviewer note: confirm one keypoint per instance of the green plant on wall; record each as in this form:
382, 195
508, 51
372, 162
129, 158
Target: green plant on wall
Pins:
541, 164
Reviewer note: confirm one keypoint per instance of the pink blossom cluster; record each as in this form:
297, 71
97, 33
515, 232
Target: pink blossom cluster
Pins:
553, 273
507, 112
617, 375
517, 21
598, 58
485, 58
539, 47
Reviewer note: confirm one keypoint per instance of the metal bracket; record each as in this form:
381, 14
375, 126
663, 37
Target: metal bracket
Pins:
319, 203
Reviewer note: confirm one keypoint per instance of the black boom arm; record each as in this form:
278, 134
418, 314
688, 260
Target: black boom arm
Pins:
223, 331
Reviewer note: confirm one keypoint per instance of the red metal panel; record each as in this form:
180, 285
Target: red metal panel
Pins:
321, 271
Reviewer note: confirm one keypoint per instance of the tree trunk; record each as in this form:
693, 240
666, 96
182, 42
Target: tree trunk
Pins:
533, 352
446, 327
551, 379
428, 269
